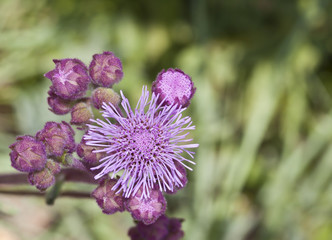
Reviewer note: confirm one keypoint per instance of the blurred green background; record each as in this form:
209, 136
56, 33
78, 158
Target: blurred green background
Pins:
263, 72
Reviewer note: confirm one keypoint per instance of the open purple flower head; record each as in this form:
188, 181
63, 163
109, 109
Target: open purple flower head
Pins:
143, 146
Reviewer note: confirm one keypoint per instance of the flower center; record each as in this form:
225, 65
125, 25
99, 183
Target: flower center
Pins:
143, 141
175, 85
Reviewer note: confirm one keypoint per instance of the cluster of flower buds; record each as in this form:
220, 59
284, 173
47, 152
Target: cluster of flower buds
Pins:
136, 155
71, 79
40, 155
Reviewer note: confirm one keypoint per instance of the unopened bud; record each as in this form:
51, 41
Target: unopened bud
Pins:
58, 138
46, 177
163, 229
81, 113
90, 158
107, 199
70, 78
57, 104
107, 95
28, 154
147, 209
105, 69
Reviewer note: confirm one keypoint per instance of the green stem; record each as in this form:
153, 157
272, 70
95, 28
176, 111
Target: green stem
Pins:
54, 192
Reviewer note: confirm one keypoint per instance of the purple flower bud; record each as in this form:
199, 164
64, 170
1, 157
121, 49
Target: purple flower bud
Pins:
135, 234
105, 69
89, 157
58, 138
101, 95
156, 231
175, 231
81, 113
182, 178
46, 177
70, 78
148, 209
163, 229
28, 154
107, 199
57, 104
174, 87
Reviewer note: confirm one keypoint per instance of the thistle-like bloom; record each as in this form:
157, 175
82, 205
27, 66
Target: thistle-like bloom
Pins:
143, 146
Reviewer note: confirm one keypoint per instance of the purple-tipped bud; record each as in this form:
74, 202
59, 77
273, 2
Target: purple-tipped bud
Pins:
107, 199
175, 231
89, 157
28, 154
101, 95
81, 113
46, 177
57, 104
174, 86
163, 229
70, 78
58, 138
149, 209
182, 178
105, 69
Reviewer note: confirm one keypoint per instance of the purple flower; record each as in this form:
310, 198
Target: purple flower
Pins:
105, 69
144, 145
163, 229
58, 138
28, 154
70, 78
149, 209
107, 199
174, 87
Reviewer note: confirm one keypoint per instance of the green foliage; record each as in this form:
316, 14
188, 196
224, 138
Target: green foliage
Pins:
262, 108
